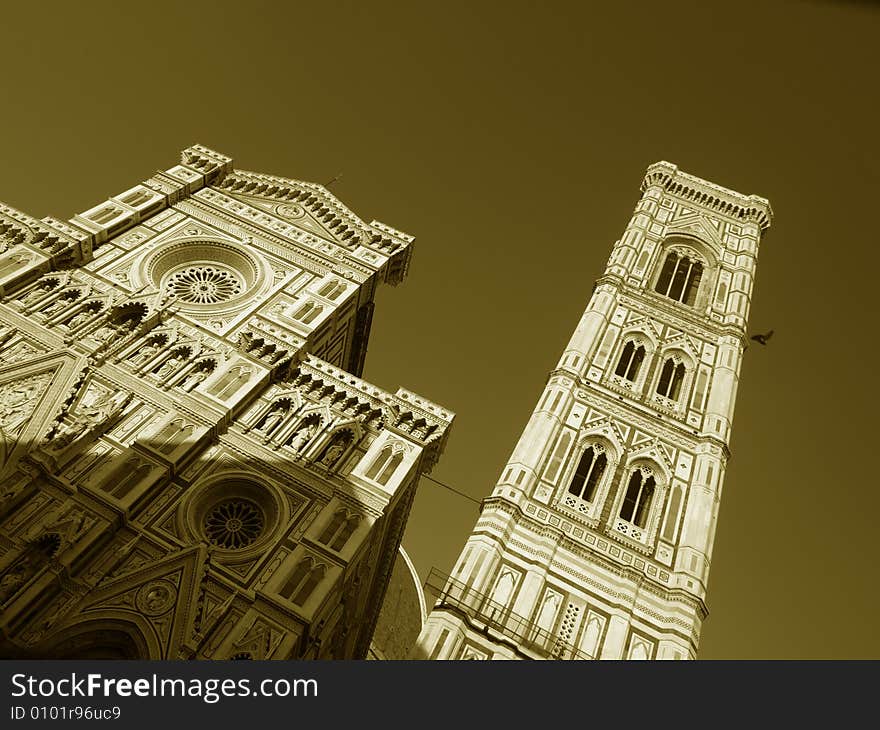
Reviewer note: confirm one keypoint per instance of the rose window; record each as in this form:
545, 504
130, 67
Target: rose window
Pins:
234, 524
204, 284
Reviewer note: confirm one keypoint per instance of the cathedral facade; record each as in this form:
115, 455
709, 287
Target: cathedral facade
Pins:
190, 464
596, 542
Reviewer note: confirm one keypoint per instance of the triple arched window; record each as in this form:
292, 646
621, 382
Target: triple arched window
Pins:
680, 278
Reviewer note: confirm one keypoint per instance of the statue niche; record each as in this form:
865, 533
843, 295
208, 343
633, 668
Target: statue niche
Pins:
39, 291
80, 317
168, 367
121, 323
60, 302
268, 423
304, 433
33, 558
198, 375
150, 349
335, 449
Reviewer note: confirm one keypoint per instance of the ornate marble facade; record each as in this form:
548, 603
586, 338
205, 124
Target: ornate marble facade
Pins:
191, 466
597, 539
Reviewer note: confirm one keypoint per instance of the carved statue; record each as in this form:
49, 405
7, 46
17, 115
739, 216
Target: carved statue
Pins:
34, 294
17, 576
104, 333
270, 420
157, 598
334, 451
144, 354
301, 437
193, 380
16, 404
168, 367
93, 417
105, 408
79, 318
12, 486
55, 305
67, 435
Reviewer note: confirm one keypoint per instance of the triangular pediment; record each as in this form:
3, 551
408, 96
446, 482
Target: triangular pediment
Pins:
260, 641
313, 208
594, 416
645, 325
165, 592
696, 225
292, 213
683, 342
608, 429
655, 450
32, 393
640, 438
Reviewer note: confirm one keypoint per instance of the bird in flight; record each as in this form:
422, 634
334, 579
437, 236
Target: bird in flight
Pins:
762, 339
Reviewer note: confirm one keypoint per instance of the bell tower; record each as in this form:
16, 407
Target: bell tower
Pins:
596, 542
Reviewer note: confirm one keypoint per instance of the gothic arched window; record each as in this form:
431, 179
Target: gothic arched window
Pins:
304, 593
302, 581
347, 529
385, 465
124, 477
589, 472
630, 361
671, 378
332, 527
339, 529
331, 290
308, 312
638, 498
230, 382
173, 435
680, 278
296, 577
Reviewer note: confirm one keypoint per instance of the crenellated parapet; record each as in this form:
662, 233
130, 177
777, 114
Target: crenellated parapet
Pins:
210, 163
57, 243
722, 200
403, 412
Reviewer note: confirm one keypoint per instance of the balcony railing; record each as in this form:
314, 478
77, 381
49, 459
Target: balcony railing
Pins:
482, 613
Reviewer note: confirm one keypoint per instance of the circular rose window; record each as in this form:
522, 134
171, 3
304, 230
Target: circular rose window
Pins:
204, 284
234, 523
205, 276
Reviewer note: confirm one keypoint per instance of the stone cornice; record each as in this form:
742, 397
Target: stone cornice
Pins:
639, 577
48, 235
679, 316
322, 204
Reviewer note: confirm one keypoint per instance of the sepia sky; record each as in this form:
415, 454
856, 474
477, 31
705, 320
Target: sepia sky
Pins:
511, 139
